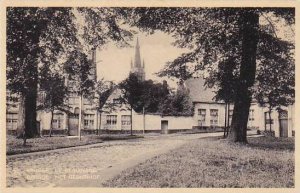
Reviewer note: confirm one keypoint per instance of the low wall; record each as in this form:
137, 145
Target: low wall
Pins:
153, 122
141, 131
55, 132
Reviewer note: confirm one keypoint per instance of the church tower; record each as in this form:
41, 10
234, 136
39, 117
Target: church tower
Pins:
137, 67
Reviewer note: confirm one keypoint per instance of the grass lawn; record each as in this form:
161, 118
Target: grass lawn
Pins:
264, 162
15, 146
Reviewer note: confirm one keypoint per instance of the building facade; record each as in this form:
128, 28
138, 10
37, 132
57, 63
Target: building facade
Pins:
63, 123
208, 113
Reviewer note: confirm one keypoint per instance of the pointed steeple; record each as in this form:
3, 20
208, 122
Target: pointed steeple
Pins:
137, 67
137, 57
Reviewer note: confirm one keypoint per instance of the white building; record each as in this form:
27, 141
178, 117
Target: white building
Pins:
208, 113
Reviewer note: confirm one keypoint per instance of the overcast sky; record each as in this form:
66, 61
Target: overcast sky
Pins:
114, 63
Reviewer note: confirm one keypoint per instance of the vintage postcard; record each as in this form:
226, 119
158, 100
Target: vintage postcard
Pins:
143, 96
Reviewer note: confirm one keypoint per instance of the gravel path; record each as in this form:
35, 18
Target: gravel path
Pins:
89, 166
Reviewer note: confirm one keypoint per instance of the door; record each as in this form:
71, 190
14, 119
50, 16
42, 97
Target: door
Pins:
283, 124
164, 127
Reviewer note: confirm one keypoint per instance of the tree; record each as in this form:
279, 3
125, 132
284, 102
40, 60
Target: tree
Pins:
34, 36
177, 104
275, 80
132, 94
214, 35
225, 80
38, 35
55, 90
104, 89
80, 79
154, 94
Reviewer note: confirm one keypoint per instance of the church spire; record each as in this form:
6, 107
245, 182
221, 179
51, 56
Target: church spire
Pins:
137, 57
137, 67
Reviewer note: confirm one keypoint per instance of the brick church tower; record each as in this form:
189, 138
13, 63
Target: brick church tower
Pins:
137, 67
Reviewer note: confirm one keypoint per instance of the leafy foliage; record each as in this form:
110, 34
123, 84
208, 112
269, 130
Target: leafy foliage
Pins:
177, 104
104, 89
155, 97
55, 92
79, 70
275, 79
39, 37
133, 93
224, 42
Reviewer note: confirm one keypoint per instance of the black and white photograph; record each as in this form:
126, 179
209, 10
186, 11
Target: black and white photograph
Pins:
149, 97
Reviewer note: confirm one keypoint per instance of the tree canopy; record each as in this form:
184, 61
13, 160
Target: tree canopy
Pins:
41, 36
155, 97
233, 42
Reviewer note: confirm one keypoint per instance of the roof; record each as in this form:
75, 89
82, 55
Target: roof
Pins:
199, 92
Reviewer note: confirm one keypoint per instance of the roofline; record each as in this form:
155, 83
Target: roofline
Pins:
208, 102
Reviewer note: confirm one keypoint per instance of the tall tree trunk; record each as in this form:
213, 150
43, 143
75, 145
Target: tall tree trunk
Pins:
21, 118
249, 26
31, 94
270, 111
131, 121
97, 122
51, 123
80, 116
225, 126
228, 120
30, 113
100, 122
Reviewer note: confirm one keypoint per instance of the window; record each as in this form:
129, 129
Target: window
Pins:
57, 121
268, 122
111, 119
202, 116
88, 121
125, 119
251, 115
213, 117
11, 121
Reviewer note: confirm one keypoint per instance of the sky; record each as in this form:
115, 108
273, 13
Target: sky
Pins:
156, 50
113, 63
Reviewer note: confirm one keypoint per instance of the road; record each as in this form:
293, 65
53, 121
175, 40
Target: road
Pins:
90, 166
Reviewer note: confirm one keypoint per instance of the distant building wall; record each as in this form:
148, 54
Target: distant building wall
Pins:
149, 122
262, 122
209, 114
205, 114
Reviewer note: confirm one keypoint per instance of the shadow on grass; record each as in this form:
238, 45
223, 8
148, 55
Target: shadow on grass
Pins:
272, 143
119, 137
